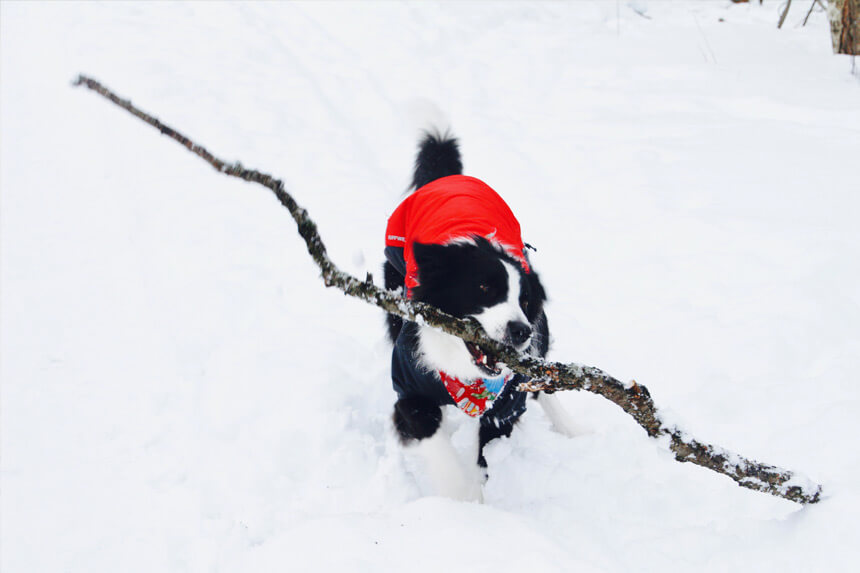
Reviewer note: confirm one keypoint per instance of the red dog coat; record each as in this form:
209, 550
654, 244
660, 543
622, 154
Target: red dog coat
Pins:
450, 208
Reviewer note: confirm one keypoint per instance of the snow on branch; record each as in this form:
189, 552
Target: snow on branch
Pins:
633, 398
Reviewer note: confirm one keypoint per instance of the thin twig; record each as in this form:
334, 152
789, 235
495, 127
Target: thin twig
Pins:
633, 398
639, 11
809, 13
784, 14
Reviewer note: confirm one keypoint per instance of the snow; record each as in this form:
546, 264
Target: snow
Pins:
181, 393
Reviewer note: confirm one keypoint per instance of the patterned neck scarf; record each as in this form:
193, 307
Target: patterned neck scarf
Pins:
475, 397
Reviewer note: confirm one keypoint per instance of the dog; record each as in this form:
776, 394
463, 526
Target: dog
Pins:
455, 244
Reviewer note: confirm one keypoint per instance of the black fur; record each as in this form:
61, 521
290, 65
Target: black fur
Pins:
393, 281
416, 418
438, 156
490, 429
460, 279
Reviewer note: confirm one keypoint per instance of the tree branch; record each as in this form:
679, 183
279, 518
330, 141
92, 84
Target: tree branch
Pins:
633, 398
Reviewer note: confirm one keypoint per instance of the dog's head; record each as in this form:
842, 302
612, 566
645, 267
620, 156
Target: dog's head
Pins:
478, 279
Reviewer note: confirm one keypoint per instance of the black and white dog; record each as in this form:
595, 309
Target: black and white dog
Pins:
455, 244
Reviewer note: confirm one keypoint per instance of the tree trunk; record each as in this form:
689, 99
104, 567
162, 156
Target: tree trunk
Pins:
845, 26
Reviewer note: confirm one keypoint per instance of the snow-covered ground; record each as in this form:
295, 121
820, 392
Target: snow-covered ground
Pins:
180, 393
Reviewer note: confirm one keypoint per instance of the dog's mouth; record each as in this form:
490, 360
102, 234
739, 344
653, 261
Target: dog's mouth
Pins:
486, 363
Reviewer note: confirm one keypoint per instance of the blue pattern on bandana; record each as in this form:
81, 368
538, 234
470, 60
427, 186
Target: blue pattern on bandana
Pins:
495, 385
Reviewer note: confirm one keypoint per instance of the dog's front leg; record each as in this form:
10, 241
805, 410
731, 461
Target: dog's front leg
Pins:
418, 421
490, 429
562, 422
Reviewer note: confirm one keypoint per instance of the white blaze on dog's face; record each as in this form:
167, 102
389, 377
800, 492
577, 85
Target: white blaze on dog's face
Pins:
477, 280
497, 318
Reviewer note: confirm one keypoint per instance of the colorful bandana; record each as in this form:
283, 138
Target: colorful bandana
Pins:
475, 397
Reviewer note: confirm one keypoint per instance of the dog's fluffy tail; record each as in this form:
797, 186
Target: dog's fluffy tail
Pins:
438, 156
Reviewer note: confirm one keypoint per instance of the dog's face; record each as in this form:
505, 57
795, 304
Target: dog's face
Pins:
478, 279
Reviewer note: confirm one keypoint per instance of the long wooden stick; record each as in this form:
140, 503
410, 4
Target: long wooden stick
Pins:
633, 398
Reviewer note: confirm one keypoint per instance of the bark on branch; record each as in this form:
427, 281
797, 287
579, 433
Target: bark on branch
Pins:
633, 398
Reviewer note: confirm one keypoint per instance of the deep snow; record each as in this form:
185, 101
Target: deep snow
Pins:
179, 391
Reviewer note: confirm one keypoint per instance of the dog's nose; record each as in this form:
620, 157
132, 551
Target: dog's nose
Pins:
518, 332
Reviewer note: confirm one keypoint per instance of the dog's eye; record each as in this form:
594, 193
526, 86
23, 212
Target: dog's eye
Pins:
488, 291
524, 304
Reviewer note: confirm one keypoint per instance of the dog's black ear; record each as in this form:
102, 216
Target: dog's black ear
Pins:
440, 266
535, 296
430, 257
535, 286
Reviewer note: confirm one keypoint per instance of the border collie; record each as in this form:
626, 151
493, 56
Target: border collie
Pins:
455, 244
